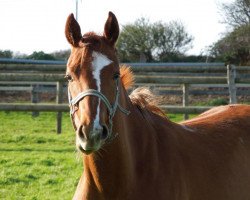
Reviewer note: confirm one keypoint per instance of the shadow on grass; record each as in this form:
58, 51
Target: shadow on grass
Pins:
27, 179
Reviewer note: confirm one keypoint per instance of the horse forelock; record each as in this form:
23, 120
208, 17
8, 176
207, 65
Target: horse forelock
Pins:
91, 38
90, 42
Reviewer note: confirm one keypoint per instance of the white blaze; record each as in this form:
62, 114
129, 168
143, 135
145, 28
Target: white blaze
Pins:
99, 62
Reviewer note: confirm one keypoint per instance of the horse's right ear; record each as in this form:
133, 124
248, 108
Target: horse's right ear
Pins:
111, 29
73, 31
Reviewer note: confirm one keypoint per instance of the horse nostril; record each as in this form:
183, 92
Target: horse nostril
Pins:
105, 132
81, 133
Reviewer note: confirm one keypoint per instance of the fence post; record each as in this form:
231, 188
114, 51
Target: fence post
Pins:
231, 75
59, 100
34, 98
185, 93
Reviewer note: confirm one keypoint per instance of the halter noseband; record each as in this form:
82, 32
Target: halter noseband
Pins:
91, 92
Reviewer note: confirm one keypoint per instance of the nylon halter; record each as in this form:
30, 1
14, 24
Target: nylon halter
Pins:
91, 92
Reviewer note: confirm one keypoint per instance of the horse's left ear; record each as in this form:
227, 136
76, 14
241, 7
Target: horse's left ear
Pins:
111, 29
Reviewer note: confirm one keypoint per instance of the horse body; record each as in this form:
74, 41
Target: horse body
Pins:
218, 155
204, 158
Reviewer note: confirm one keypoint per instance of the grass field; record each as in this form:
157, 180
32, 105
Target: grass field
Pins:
35, 162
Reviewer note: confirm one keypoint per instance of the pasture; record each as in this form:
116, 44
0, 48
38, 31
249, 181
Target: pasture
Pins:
36, 163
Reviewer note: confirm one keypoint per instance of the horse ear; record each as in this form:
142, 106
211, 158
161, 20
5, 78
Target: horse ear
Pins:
111, 29
73, 31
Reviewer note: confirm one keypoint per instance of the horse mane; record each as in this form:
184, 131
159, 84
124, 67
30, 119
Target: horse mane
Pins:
127, 76
142, 96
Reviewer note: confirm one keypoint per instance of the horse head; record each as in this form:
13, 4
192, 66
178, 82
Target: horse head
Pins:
93, 88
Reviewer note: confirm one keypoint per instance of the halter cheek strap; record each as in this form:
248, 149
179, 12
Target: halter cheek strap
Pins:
91, 92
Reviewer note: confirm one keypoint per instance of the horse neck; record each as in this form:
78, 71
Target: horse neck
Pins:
112, 166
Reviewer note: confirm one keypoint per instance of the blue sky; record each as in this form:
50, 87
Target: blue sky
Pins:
34, 25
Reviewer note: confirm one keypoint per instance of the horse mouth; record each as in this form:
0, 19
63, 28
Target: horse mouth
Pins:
87, 152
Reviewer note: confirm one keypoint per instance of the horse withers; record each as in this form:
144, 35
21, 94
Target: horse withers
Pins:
131, 150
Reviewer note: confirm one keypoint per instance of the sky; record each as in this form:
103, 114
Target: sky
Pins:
38, 25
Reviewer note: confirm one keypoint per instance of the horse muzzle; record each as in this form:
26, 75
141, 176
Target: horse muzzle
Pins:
89, 140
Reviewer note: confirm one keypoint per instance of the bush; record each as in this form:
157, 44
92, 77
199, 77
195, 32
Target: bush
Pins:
218, 102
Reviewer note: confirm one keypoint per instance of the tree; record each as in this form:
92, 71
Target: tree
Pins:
237, 13
40, 55
152, 41
171, 39
6, 54
134, 40
234, 47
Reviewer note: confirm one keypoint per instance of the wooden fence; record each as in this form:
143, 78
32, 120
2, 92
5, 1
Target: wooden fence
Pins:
29, 74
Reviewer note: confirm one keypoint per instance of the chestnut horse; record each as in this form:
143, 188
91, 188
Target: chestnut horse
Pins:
131, 150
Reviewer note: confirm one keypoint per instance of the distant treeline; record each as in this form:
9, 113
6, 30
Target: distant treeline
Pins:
64, 55
36, 55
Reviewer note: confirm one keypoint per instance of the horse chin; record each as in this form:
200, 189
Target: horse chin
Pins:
87, 147
86, 152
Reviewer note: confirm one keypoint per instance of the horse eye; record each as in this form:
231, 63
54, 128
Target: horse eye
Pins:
68, 77
116, 75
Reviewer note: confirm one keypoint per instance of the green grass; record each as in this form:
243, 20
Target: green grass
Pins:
36, 163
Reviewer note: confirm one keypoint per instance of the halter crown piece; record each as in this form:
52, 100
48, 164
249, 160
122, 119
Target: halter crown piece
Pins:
111, 107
